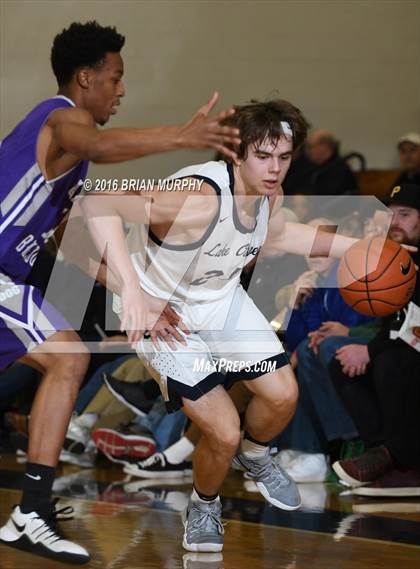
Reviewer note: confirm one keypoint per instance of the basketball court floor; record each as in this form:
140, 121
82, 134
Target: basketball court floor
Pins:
135, 524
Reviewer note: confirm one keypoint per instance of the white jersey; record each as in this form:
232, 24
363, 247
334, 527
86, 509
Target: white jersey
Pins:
209, 269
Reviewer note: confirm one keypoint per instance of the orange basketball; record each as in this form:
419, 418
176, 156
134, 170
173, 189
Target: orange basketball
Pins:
376, 276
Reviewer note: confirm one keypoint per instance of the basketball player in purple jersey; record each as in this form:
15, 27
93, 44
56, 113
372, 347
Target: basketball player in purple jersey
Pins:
43, 163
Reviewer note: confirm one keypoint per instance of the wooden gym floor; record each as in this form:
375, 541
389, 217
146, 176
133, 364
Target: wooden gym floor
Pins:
135, 524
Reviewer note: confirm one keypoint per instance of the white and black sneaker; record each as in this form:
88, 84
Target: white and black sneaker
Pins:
34, 534
158, 466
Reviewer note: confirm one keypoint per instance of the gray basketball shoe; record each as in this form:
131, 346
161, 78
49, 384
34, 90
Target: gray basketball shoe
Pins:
271, 480
203, 528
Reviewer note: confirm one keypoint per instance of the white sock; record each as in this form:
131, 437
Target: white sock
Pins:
179, 451
196, 498
253, 450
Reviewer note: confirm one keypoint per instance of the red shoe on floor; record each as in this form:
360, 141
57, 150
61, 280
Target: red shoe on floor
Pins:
365, 468
124, 443
394, 483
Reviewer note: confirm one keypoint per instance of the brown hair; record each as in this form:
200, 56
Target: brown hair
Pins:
257, 121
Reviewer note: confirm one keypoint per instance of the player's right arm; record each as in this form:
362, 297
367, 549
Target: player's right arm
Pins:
75, 133
105, 215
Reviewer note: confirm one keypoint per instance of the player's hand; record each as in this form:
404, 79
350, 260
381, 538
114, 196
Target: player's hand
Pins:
409, 248
141, 312
354, 359
168, 326
203, 131
331, 328
166, 332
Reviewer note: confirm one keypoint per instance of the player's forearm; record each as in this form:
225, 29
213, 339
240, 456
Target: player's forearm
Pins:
117, 144
109, 237
305, 240
103, 274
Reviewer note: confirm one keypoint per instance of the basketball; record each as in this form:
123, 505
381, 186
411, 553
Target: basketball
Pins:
376, 276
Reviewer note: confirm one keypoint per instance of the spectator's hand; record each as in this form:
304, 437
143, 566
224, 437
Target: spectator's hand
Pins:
354, 359
303, 287
333, 329
315, 338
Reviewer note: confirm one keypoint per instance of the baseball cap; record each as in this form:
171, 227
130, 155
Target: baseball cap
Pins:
404, 194
412, 137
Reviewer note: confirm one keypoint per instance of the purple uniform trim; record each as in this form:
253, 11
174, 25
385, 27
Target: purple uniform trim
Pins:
26, 319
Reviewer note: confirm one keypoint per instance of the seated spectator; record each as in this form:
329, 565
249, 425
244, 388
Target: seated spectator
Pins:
409, 153
316, 314
320, 170
379, 385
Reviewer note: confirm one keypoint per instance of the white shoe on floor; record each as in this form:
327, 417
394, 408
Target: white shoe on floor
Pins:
41, 536
308, 468
286, 456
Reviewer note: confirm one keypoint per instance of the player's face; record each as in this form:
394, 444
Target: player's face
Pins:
266, 166
405, 225
106, 88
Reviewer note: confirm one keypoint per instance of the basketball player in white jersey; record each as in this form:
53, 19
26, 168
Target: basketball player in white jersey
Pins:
190, 250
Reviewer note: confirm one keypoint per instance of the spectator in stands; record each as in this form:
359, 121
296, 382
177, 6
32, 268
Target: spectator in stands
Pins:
379, 385
409, 152
320, 170
317, 304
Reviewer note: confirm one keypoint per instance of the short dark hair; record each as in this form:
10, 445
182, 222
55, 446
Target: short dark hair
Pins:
82, 45
257, 121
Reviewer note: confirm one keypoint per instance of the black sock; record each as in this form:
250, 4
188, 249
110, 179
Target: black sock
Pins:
205, 497
37, 487
249, 438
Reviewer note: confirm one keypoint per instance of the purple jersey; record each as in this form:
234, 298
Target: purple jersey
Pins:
31, 207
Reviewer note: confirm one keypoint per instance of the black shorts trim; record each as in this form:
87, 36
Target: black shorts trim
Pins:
178, 390
254, 372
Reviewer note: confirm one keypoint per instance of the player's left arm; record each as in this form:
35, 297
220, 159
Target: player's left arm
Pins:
301, 239
310, 241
